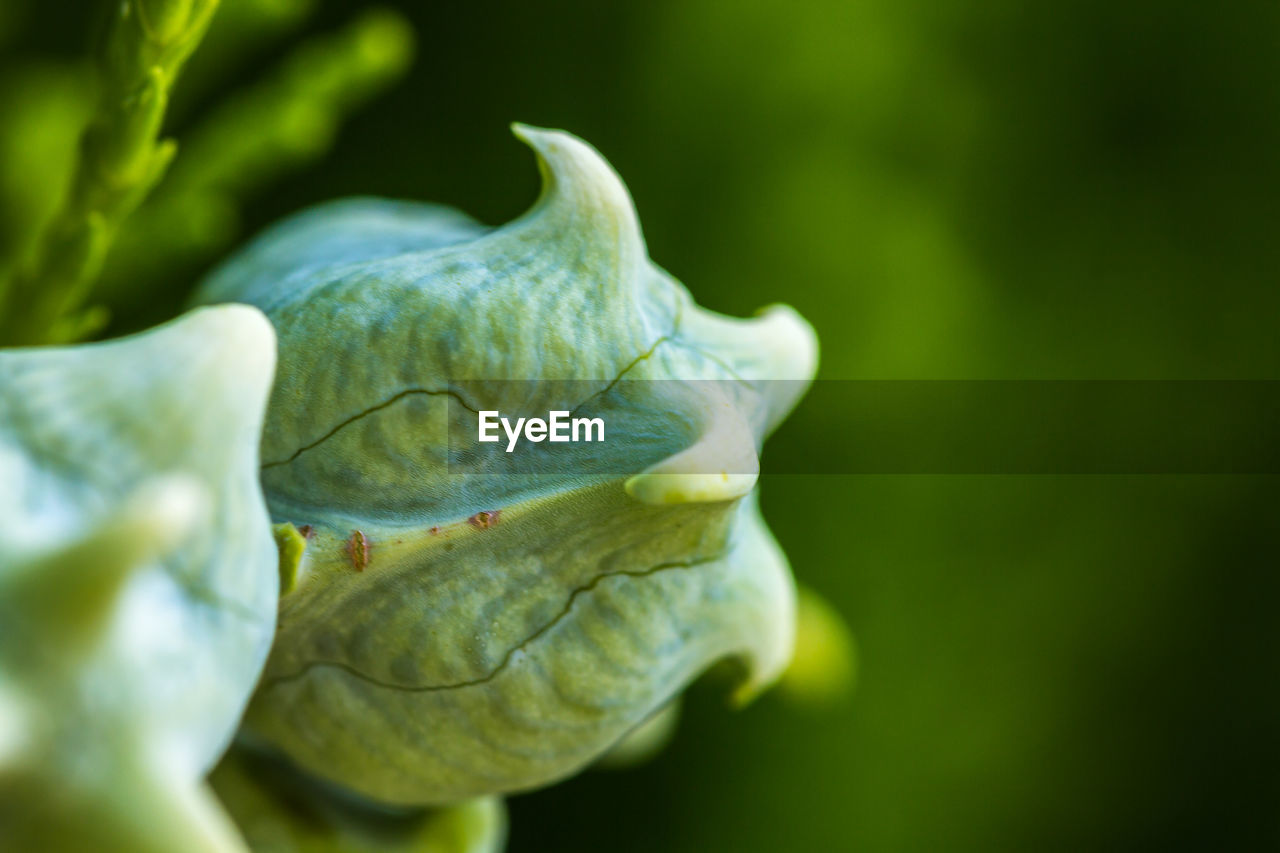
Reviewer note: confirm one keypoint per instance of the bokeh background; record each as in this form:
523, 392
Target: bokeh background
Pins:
948, 189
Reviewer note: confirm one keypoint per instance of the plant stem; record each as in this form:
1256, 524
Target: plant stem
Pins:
121, 158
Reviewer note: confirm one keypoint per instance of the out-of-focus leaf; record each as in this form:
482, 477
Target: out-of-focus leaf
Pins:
121, 158
280, 124
824, 667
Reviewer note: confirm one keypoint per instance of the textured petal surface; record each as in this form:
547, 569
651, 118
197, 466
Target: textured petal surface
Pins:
448, 635
137, 575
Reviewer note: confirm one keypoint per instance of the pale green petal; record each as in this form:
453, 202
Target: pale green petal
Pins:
137, 578
504, 659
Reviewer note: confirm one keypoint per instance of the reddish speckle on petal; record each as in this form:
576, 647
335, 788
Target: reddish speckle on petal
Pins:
484, 519
307, 531
358, 550
434, 531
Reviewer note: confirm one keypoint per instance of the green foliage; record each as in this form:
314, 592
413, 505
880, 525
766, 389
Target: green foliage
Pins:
121, 158
130, 228
284, 122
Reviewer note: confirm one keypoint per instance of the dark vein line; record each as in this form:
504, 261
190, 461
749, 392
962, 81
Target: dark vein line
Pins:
644, 356
710, 356
506, 659
448, 392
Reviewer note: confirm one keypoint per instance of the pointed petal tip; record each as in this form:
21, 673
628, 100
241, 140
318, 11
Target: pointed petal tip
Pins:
574, 173
777, 349
788, 347
792, 341
657, 488
536, 137
242, 333
722, 465
523, 131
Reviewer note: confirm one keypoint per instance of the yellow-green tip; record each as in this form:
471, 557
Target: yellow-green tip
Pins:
824, 667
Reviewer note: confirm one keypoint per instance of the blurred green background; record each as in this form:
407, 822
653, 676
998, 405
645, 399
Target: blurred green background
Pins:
946, 189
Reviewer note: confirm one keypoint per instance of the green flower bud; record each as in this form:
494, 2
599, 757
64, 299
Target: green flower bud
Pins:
450, 635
